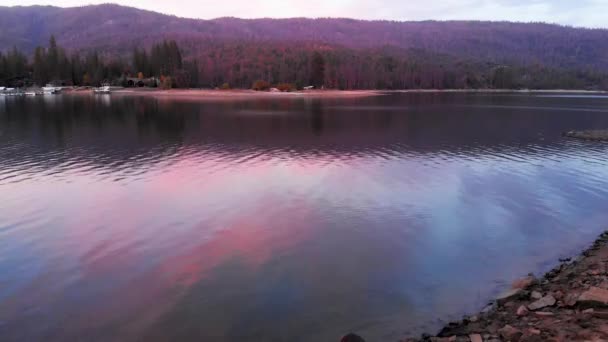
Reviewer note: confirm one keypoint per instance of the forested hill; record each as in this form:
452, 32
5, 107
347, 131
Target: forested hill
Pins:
117, 29
448, 51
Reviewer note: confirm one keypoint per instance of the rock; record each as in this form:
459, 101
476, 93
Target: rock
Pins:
588, 135
523, 282
508, 295
522, 311
544, 314
571, 299
488, 309
352, 338
534, 331
542, 303
509, 333
474, 318
536, 295
600, 314
475, 338
441, 339
509, 304
594, 297
603, 328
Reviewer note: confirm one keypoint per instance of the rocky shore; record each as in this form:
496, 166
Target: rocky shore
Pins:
570, 303
598, 135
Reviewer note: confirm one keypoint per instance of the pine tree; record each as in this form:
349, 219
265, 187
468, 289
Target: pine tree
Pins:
40, 68
317, 76
53, 58
3, 71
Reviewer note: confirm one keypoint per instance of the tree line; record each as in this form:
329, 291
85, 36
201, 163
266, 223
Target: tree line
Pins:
241, 64
53, 65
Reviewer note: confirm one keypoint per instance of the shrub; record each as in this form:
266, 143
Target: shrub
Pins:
261, 86
286, 87
167, 83
225, 86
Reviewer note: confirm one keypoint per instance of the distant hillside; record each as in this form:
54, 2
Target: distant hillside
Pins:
116, 30
349, 54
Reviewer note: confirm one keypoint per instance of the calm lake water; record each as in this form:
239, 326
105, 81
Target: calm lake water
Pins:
125, 218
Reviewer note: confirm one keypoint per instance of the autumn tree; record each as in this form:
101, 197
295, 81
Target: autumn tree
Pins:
260, 85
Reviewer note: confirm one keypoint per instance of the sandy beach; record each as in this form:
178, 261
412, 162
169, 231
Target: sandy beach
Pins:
240, 94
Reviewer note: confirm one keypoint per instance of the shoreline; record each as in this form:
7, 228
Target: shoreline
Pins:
568, 303
243, 94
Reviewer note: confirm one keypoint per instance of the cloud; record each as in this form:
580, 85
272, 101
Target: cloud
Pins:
588, 13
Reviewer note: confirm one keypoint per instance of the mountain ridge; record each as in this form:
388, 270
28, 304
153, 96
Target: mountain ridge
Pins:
353, 53
116, 30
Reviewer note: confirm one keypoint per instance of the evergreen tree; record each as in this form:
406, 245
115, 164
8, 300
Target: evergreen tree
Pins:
52, 58
76, 70
3, 71
16, 64
317, 76
41, 76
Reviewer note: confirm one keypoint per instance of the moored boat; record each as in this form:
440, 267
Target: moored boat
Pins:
49, 90
102, 90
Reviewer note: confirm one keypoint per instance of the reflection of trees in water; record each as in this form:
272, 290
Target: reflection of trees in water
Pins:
316, 118
128, 127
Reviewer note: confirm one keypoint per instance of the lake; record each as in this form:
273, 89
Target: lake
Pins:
136, 218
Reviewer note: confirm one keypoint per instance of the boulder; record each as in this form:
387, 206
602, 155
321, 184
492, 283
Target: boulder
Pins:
475, 338
508, 295
600, 314
571, 299
523, 282
594, 297
441, 339
509, 333
542, 303
522, 311
352, 338
536, 295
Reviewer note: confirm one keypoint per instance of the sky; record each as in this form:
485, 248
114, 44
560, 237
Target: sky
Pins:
585, 13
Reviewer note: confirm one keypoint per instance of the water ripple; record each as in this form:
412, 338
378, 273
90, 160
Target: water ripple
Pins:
164, 214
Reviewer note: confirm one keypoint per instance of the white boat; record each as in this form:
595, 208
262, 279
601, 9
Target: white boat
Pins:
51, 90
102, 90
12, 92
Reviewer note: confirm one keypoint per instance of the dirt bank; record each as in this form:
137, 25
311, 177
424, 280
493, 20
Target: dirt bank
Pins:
570, 303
